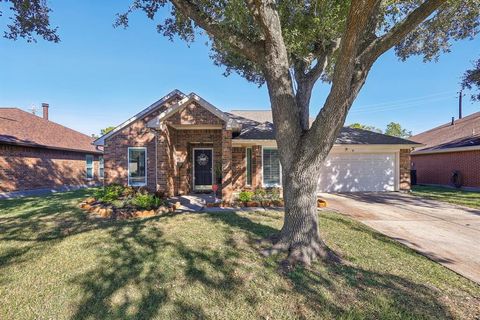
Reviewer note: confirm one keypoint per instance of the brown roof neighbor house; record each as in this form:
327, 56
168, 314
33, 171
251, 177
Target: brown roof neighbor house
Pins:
182, 144
451, 147
36, 153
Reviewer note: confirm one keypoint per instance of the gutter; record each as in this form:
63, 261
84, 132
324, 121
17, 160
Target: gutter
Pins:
32, 145
446, 150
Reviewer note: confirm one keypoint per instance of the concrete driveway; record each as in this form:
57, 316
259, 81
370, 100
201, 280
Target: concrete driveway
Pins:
445, 233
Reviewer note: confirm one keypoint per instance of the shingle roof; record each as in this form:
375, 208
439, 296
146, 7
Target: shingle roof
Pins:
22, 128
464, 132
253, 129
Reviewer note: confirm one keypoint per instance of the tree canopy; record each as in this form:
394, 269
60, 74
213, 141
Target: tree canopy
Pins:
106, 130
396, 130
471, 80
358, 125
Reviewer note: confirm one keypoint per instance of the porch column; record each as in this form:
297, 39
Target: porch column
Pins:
165, 162
404, 170
227, 188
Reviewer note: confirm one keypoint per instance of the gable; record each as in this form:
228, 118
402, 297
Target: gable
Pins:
141, 118
192, 109
194, 114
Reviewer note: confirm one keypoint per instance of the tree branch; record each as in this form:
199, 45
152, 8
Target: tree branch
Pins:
332, 116
251, 50
400, 31
306, 79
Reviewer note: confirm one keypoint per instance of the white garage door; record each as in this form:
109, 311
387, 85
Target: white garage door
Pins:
355, 172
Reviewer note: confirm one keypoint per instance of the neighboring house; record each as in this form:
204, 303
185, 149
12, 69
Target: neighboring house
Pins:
454, 146
36, 153
182, 144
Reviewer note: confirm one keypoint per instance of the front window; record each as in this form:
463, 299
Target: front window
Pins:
271, 168
137, 166
100, 167
89, 166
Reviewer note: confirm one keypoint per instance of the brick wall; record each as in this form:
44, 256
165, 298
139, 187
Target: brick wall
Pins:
404, 169
239, 168
169, 152
26, 168
194, 114
437, 168
257, 174
116, 147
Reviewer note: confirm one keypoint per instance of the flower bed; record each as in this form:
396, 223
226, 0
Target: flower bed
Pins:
265, 198
269, 197
118, 202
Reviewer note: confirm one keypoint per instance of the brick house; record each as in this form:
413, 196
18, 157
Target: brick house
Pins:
182, 143
452, 147
36, 153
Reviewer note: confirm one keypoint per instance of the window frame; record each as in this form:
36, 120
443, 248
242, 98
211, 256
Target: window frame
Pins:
246, 167
280, 184
86, 166
101, 166
128, 167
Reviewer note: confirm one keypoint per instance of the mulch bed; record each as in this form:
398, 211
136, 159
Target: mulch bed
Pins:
109, 211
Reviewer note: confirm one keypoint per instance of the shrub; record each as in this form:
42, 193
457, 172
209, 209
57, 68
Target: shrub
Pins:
259, 194
146, 201
109, 193
128, 192
273, 194
245, 196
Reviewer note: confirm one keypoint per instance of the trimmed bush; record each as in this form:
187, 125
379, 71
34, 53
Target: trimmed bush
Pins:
146, 201
245, 196
109, 193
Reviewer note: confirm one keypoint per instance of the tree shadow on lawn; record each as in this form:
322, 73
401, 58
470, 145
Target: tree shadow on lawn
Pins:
341, 289
136, 273
37, 221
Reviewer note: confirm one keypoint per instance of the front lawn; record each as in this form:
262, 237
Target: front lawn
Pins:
58, 262
455, 196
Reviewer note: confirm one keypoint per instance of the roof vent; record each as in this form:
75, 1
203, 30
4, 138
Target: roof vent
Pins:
453, 121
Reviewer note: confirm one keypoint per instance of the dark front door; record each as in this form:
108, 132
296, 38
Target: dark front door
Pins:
202, 168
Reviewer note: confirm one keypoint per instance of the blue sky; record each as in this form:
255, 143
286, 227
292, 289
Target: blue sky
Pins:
99, 76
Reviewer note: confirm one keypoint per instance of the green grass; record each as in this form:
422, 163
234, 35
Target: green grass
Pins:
58, 262
465, 198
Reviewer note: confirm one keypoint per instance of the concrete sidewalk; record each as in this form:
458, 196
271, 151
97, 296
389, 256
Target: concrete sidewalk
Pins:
443, 232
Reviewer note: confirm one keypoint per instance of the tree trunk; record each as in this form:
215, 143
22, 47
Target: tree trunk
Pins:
300, 236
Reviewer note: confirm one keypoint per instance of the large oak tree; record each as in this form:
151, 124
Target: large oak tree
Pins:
291, 45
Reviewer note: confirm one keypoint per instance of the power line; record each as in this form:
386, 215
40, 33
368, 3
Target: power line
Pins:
403, 101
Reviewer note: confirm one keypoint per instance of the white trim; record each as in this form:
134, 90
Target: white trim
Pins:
192, 97
146, 166
195, 127
458, 149
93, 166
372, 147
99, 166
397, 169
193, 165
101, 141
263, 167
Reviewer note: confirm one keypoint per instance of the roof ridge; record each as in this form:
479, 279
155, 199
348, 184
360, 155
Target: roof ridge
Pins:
54, 123
250, 110
448, 124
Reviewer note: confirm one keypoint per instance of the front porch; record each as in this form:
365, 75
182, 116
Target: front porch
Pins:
193, 159
193, 149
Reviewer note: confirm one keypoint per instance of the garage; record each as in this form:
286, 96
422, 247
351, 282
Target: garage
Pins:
359, 172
